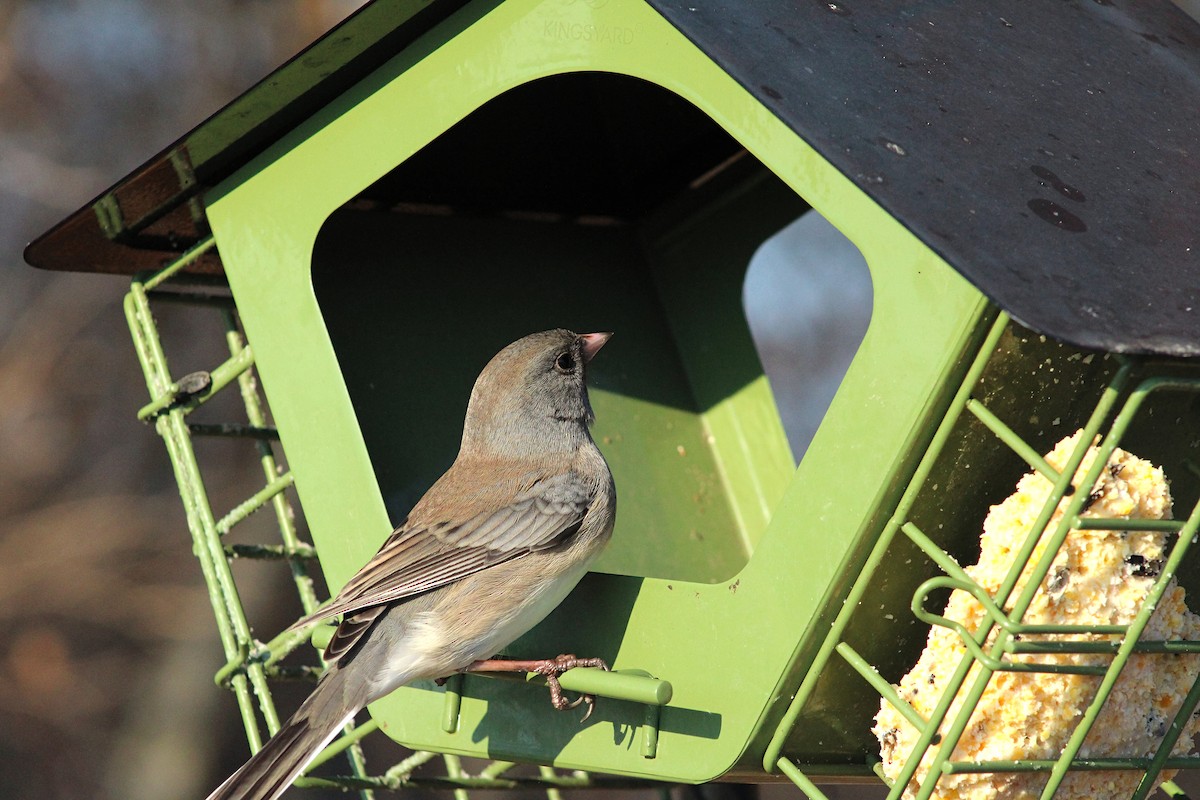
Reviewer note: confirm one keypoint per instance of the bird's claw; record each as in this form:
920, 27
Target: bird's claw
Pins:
551, 668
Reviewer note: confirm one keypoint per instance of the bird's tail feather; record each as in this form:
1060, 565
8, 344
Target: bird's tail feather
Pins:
271, 770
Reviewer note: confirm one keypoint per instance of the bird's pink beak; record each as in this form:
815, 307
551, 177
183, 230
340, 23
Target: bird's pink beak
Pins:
592, 342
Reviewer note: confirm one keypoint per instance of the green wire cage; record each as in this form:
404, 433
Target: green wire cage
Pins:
987, 432
508, 155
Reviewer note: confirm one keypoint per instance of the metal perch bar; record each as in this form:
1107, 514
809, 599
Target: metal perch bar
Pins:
632, 686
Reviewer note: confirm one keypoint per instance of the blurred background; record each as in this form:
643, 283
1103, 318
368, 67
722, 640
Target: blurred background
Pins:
105, 668
107, 661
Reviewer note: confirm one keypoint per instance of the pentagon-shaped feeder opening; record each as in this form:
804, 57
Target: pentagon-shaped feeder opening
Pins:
591, 201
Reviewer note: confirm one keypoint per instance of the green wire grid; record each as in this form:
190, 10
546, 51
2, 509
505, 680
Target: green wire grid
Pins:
249, 663
941, 734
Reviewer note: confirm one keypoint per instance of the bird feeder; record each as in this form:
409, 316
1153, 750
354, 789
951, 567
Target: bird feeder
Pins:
424, 185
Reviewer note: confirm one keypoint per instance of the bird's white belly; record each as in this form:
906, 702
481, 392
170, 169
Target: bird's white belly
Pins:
538, 603
429, 649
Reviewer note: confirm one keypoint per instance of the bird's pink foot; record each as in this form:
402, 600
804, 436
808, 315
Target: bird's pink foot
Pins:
551, 668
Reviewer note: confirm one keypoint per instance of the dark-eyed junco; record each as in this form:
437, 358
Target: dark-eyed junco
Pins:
485, 555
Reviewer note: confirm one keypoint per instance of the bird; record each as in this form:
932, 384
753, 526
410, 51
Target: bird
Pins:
492, 548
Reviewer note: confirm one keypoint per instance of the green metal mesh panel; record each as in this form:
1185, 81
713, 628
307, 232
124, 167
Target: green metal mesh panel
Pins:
1108, 400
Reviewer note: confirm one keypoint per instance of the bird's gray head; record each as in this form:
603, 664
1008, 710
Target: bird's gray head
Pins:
532, 396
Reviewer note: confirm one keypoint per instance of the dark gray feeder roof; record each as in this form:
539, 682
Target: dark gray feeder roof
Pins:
1048, 151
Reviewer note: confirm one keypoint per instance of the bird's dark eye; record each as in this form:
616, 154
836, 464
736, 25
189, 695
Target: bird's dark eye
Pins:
564, 363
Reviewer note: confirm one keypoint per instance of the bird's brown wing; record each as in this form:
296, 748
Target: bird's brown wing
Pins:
419, 557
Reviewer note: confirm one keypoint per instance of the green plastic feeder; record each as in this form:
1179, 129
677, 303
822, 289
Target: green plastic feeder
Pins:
429, 182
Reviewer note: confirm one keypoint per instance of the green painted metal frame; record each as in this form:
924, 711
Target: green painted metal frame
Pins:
1007, 641
250, 663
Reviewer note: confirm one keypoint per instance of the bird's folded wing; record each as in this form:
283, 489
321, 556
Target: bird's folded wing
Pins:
416, 559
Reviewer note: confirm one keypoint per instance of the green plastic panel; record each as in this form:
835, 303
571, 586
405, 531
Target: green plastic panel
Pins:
731, 632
